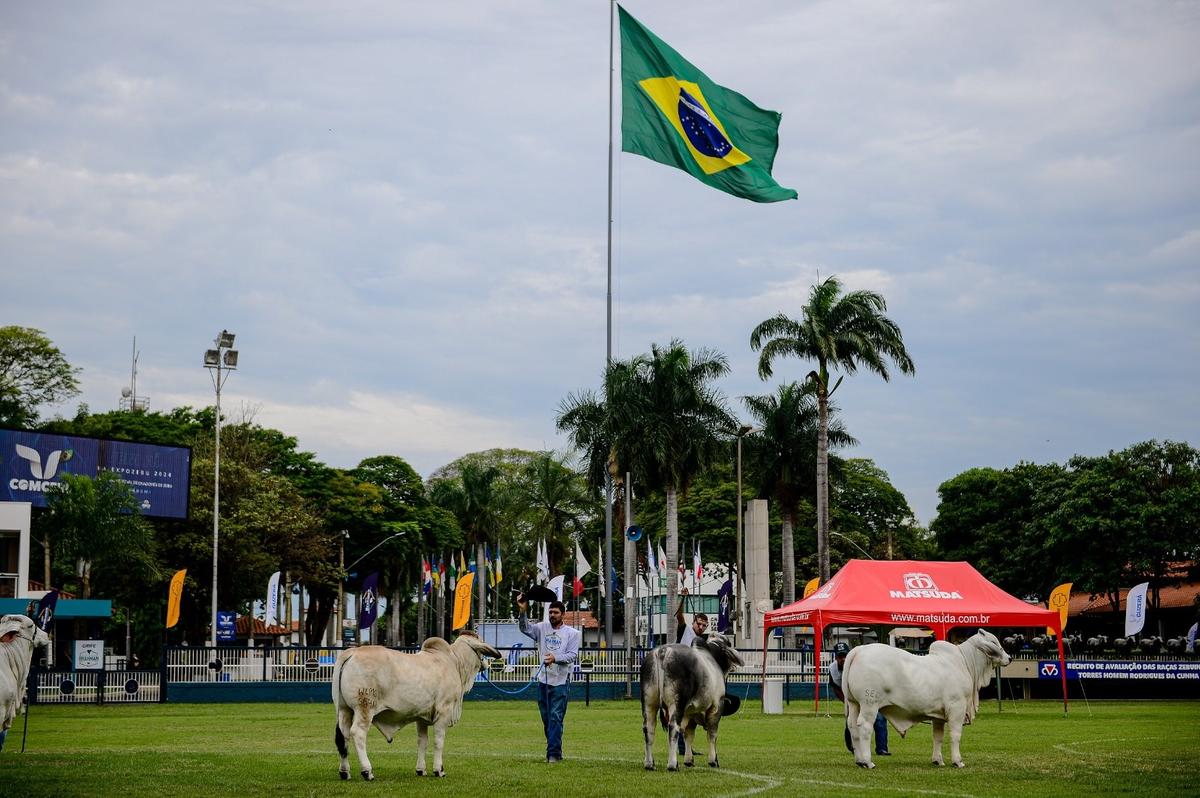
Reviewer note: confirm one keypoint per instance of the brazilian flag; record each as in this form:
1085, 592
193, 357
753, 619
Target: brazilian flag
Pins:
672, 113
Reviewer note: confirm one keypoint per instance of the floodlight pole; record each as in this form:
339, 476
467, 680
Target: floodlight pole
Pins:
213, 360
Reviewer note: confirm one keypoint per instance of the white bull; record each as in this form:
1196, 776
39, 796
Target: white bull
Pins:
941, 687
19, 636
684, 687
373, 685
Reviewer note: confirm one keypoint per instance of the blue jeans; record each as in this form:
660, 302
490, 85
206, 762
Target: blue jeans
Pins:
552, 703
881, 734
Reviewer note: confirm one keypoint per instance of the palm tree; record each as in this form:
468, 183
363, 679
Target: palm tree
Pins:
473, 500
662, 420
838, 330
783, 454
556, 500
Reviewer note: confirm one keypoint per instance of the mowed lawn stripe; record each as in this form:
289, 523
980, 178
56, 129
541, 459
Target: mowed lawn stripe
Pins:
1142, 748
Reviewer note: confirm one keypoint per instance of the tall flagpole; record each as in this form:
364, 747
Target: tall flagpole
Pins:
608, 480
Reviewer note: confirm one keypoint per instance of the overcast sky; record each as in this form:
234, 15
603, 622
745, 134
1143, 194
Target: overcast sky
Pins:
399, 208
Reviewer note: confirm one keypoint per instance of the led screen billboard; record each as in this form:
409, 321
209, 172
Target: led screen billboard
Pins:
32, 461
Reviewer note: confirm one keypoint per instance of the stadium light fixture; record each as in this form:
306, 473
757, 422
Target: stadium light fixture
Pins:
219, 362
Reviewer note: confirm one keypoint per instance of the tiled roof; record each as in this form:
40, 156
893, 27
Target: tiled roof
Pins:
260, 628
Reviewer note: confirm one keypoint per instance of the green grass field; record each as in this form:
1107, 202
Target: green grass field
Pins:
1027, 750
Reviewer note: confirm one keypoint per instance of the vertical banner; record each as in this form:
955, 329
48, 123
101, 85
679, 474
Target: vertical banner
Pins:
368, 601
811, 587
600, 567
1060, 598
1135, 609
272, 618
725, 600
45, 610
174, 595
462, 600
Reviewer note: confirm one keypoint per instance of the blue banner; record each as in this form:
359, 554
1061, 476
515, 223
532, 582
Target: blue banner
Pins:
226, 627
725, 601
1123, 670
368, 601
30, 462
45, 610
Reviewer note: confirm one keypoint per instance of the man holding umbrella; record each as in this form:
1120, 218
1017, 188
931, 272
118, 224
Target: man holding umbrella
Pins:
558, 647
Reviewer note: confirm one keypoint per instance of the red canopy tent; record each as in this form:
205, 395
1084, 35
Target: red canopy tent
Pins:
936, 595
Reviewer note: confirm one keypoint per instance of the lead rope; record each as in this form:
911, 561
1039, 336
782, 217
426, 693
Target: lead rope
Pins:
530, 683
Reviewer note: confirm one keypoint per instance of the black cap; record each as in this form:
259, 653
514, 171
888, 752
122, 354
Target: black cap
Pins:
841, 650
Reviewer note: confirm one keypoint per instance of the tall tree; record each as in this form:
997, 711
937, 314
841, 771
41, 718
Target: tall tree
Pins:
869, 504
557, 505
988, 517
473, 501
665, 421
838, 330
33, 373
97, 520
784, 455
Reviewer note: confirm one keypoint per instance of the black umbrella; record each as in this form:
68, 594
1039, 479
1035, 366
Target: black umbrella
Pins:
537, 593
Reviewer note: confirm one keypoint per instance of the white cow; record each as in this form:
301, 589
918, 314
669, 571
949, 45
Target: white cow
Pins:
19, 636
941, 687
684, 687
390, 689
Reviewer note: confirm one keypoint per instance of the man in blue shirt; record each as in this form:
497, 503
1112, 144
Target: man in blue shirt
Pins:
558, 647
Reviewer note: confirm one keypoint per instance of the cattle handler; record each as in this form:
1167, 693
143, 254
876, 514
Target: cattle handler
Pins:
558, 646
835, 679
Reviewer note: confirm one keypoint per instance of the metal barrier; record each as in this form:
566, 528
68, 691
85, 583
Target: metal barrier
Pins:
315, 664
97, 687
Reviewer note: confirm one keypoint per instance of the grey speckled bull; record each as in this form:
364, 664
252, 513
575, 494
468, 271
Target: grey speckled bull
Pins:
683, 687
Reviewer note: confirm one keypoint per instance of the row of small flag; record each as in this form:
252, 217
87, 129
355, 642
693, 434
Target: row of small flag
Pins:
654, 566
439, 573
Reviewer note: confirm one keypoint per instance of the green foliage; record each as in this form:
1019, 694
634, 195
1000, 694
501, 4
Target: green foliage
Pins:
95, 523
33, 373
868, 505
1104, 523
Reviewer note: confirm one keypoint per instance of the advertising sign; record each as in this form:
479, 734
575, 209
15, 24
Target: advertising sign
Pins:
226, 627
89, 655
31, 462
1123, 670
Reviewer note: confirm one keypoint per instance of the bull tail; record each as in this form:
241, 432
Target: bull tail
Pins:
339, 739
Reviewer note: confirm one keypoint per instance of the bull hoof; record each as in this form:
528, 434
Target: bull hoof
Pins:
344, 774
959, 765
420, 772
672, 768
439, 774
714, 764
689, 764
650, 767
368, 775
937, 764
866, 765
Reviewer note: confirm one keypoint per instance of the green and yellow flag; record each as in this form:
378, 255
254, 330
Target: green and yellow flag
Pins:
672, 113
1060, 598
174, 595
